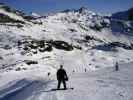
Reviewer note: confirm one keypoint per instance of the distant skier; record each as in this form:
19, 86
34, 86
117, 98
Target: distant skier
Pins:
48, 73
116, 66
85, 70
61, 77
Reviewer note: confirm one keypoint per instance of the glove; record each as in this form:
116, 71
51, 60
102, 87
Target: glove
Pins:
66, 78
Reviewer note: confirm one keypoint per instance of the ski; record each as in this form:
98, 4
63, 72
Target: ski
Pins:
62, 89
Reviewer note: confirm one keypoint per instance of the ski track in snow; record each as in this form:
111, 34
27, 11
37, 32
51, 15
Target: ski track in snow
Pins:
22, 90
105, 84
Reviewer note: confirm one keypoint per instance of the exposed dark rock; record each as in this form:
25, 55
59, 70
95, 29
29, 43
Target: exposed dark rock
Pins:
112, 46
87, 37
34, 51
41, 43
7, 19
30, 62
82, 10
48, 48
19, 69
97, 66
74, 20
62, 45
26, 48
130, 14
73, 30
83, 27
96, 27
33, 46
1, 58
28, 17
7, 47
78, 47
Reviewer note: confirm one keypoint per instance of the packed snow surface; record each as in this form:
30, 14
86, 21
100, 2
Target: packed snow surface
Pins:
104, 84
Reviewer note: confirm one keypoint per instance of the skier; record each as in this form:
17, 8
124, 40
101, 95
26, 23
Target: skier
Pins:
85, 69
48, 73
116, 66
61, 77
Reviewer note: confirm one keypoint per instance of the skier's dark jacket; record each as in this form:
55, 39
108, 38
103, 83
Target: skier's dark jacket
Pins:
61, 75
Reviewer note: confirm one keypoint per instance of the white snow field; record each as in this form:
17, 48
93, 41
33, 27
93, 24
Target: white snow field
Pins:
104, 84
33, 46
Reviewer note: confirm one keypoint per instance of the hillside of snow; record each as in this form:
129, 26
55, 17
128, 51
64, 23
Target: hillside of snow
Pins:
33, 46
60, 37
123, 22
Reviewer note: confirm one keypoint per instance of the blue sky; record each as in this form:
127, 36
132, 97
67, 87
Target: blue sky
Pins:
45, 6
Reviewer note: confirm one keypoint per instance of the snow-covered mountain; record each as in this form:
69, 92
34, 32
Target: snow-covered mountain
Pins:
58, 38
123, 22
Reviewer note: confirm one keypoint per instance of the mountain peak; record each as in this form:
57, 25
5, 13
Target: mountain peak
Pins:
82, 9
35, 15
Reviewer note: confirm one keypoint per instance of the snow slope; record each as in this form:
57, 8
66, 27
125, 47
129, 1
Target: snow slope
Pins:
104, 84
80, 40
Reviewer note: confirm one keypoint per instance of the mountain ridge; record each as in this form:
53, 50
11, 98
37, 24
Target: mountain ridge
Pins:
64, 35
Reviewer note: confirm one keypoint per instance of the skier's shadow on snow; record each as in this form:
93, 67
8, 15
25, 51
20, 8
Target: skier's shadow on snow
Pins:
51, 90
54, 89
